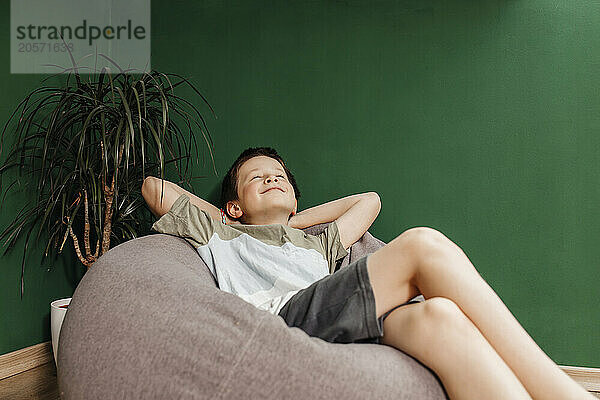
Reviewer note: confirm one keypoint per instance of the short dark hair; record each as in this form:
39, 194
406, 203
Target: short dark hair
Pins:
230, 181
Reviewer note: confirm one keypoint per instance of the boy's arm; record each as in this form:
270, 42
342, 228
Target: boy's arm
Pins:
353, 214
151, 191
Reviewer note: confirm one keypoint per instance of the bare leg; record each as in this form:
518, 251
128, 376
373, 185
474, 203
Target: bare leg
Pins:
423, 260
437, 333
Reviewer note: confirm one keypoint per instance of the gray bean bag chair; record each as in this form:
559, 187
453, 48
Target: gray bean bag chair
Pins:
147, 321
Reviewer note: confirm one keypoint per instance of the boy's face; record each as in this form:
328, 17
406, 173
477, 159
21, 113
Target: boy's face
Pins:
264, 192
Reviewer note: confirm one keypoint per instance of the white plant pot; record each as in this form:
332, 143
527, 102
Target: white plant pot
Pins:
57, 315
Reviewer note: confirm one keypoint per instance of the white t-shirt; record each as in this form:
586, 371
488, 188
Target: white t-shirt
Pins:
263, 264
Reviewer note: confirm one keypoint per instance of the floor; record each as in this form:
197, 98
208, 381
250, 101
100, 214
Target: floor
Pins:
40, 383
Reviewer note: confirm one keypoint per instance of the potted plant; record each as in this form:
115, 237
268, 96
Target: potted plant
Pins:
85, 147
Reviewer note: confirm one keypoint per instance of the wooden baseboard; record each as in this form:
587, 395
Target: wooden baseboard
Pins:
25, 359
31, 357
589, 378
39, 383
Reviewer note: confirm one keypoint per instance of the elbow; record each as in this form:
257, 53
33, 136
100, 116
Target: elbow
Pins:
150, 179
376, 204
152, 183
150, 190
375, 200
147, 186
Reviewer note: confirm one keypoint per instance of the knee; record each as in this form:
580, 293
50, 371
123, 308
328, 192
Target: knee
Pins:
425, 241
426, 235
435, 322
443, 314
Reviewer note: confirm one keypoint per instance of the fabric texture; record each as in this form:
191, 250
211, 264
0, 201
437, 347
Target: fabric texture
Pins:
148, 322
263, 264
339, 308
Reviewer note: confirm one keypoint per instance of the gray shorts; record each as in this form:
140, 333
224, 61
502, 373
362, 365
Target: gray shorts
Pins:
339, 308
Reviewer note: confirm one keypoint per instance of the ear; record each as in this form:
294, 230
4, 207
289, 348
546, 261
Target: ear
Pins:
233, 210
295, 207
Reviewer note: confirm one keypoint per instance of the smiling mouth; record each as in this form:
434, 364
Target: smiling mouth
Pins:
273, 188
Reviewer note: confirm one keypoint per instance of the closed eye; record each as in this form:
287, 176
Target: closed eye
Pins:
279, 176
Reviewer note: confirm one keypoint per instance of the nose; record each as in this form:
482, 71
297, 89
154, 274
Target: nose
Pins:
271, 179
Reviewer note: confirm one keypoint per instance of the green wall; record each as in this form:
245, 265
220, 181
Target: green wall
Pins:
479, 119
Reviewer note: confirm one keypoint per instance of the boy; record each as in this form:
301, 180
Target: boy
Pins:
255, 249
